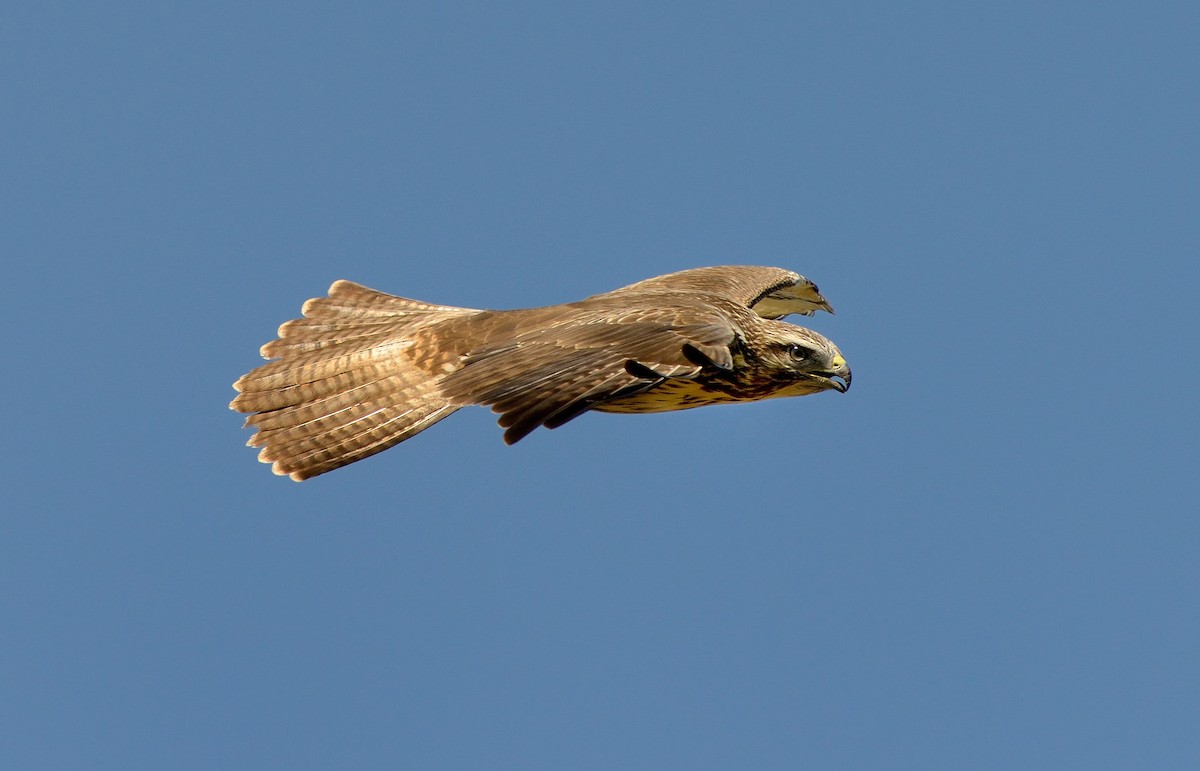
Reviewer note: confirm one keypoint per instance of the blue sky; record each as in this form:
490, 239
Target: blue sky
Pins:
983, 556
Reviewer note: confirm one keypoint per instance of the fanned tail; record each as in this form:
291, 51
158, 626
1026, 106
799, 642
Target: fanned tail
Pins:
344, 384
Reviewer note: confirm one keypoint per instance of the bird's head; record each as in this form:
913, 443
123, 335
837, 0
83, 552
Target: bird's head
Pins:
809, 360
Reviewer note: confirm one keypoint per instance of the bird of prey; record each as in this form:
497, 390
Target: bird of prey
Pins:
364, 370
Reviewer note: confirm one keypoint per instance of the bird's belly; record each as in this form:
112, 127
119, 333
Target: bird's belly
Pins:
674, 394
685, 394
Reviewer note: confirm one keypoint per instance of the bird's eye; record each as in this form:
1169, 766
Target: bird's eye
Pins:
799, 352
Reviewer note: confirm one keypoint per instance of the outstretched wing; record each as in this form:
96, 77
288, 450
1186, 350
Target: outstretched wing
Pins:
770, 292
557, 367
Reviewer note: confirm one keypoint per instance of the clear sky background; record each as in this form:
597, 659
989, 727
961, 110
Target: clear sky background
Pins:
983, 556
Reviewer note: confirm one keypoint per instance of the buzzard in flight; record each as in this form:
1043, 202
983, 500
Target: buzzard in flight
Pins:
364, 370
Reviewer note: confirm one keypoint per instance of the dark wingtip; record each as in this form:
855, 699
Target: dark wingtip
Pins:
517, 432
639, 370
701, 359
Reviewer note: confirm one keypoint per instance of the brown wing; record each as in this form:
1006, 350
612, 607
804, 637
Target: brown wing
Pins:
558, 367
770, 292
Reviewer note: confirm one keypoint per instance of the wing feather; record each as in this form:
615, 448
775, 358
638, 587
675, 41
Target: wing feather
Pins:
548, 374
770, 292
350, 300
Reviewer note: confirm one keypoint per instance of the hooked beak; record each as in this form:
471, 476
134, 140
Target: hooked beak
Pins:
839, 376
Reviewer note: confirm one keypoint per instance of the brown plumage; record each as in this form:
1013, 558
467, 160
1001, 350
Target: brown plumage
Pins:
364, 370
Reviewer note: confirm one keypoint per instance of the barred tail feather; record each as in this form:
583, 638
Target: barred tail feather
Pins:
344, 386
